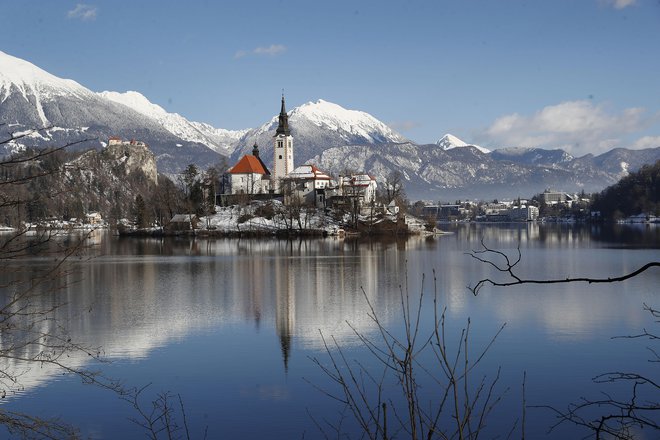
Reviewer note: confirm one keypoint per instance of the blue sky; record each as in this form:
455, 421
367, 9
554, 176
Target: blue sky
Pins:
583, 75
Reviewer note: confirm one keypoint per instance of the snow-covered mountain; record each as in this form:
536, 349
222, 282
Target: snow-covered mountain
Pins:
449, 141
532, 156
218, 139
457, 173
32, 83
316, 126
324, 133
65, 111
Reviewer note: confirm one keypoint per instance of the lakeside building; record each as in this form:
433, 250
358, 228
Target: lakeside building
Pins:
524, 213
306, 183
552, 197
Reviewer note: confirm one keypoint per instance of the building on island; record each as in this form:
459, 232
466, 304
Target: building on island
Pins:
249, 176
309, 185
355, 193
362, 186
305, 184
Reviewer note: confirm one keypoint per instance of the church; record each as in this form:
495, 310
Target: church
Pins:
250, 176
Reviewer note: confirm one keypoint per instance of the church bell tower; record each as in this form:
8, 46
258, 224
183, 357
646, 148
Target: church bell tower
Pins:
283, 148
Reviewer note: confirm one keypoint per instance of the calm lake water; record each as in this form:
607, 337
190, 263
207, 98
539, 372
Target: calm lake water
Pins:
233, 325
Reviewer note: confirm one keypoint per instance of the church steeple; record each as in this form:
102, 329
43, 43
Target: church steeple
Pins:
283, 148
283, 126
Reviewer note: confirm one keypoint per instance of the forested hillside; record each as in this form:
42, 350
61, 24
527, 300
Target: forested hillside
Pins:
634, 194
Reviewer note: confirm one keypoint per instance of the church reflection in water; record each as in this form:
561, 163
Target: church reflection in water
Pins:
137, 295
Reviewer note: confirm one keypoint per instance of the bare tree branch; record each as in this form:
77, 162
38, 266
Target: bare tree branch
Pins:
390, 402
487, 255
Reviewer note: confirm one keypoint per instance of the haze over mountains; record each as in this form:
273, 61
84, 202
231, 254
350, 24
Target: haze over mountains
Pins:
334, 138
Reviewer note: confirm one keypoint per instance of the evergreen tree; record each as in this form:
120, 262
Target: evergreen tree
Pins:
140, 212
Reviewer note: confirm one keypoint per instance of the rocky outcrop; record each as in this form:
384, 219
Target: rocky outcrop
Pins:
128, 157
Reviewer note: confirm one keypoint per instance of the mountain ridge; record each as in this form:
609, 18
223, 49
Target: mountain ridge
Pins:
335, 138
59, 112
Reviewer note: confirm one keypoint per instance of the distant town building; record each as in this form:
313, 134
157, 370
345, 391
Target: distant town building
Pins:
524, 213
496, 208
551, 197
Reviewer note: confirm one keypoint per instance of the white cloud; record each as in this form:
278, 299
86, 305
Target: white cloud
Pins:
646, 142
272, 50
83, 12
621, 4
576, 126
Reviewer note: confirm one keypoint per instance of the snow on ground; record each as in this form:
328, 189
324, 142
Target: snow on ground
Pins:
250, 217
253, 217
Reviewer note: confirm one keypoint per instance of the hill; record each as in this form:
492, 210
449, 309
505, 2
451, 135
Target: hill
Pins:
636, 193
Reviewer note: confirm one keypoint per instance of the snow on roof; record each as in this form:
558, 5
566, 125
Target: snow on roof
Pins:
362, 177
357, 179
249, 164
308, 172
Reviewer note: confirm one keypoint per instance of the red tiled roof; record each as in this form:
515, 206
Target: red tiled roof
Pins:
248, 164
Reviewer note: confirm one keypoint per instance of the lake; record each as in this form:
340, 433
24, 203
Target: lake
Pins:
233, 326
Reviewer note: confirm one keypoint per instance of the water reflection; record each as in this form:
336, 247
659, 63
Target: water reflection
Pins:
134, 296
628, 235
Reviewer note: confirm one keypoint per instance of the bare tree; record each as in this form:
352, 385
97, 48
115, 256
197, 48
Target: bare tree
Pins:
393, 188
160, 418
31, 335
612, 416
506, 265
292, 208
391, 403
353, 196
